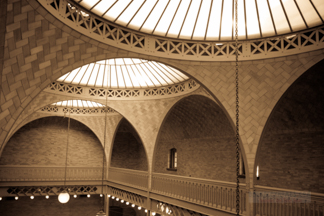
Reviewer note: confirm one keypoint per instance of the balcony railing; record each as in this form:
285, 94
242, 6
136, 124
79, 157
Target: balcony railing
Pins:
218, 195
21, 173
133, 178
281, 202
215, 194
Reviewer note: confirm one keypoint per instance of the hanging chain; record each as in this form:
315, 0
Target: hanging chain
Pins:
104, 150
237, 116
67, 148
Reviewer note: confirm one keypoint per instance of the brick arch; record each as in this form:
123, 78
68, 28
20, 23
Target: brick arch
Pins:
191, 120
127, 149
290, 153
90, 122
44, 99
41, 100
39, 49
53, 132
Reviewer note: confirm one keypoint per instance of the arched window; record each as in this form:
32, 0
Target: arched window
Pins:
172, 159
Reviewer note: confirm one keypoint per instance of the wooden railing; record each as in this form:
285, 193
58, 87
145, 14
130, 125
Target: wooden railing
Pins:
21, 173
282, 202
133, 178
215, 194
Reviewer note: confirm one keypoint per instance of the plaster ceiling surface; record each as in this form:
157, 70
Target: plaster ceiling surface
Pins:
124, 73
210, 19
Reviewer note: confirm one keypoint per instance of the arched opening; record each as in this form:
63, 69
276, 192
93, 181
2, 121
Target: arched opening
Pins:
42, 142
128, 151
291, 150
204, 139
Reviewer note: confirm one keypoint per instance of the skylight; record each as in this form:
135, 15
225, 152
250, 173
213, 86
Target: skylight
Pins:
124, 73
78, 104
210, 19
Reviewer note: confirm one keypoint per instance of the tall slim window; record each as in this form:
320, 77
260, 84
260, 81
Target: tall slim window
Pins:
242, 168
172, 160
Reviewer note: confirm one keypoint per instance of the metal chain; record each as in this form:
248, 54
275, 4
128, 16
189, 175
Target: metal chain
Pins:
67, 148
104, 149
237, 116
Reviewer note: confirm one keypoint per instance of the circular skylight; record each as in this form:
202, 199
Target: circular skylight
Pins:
124, 73
78, 104
210, 19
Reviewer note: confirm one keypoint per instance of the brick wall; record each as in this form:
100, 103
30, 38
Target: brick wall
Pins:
291, 150
3, 18
51, 207
128, 151
43, 142
203, 137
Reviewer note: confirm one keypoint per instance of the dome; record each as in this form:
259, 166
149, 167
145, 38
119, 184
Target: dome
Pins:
210, 20
124, 73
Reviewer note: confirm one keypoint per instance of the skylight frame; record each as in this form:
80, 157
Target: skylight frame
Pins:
282, 17
124, 73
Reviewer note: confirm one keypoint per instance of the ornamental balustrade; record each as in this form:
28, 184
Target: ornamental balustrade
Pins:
75, 111
281, 202
127, 196
52, 190
132, 178
215, 194
124, 94
111, 34
218, 195
48, 173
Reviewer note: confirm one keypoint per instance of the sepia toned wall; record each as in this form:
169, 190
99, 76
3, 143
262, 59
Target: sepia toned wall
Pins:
291, 150
203, 137
43, 143
128, 151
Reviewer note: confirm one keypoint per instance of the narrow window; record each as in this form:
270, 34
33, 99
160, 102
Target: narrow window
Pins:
172, 159
242, 168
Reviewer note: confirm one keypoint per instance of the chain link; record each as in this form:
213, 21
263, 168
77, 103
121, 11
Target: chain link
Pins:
237, 115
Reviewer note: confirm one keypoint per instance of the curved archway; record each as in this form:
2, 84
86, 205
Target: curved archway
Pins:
291, 151
204, 138
128, 150
42, 142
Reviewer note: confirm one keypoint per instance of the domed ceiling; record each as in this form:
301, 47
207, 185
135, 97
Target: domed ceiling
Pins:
210, 19
124, 73
78, 104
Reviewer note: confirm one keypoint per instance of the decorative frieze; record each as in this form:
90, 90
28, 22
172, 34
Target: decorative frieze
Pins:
117, 36
124, 94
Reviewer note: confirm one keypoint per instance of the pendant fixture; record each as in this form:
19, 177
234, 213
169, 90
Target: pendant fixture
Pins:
64, 196
101, 212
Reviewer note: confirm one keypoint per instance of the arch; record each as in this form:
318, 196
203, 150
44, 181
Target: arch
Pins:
63, 49
197, 119
127, 149
42, 142
43, 101
290, 152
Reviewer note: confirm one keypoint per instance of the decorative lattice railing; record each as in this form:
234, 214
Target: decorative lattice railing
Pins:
76, 111
52, 190
214, 194
47, 173
126, 196
124, 94
269, 201
109, 33
133, 178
